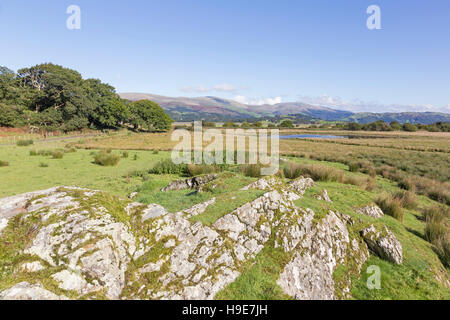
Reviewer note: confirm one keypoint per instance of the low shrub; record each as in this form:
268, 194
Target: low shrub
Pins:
125, 154
43, 165
24, 143
155, 151
4, 163
106, 159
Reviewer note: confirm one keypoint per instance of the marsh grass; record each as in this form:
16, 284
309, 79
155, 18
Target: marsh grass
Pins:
24, 143
58, 154
391, 206
437, 230
251, 170
105, 159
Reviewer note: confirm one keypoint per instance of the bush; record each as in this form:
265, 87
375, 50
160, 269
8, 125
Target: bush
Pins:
391, 206
4, 163
155, 152
24, 143
33, 153
437, 230
125, 154
105, 159
57, 154
43, 165
168, 167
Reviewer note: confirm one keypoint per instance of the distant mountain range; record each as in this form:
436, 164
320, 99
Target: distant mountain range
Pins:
219, 109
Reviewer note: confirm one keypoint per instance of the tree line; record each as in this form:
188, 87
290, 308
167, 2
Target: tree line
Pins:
395, 126
51, 97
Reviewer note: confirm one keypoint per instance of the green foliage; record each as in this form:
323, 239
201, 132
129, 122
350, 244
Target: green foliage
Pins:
409, 127
4, 163
24, 143
168, 167
147, 115
286, 124
106, 159
53, 97
43, 165
229, 124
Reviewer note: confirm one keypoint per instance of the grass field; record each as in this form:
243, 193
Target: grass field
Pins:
416, 278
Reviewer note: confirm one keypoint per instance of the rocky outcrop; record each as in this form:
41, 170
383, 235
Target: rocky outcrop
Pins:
301, 184
26, 291
384, 243
371, 211
79, 243
191, 183
319, 250
324, 196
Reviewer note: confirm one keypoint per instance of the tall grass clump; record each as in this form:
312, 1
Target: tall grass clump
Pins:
168, 167
314, 171
58, 154
24, 143
125, 154
391, 206
292, 170
437, 230
103, 158
251, 170
407, 199
4, 163
198, 169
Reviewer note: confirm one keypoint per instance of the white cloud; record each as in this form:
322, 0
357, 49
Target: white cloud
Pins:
226, 87
357, 105
200, 89
258, 101
222, 87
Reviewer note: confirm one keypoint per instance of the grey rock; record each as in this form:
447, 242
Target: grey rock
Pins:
384, 243
27, 291
191, 183
153, 211
371, 211
32, 266
324, 196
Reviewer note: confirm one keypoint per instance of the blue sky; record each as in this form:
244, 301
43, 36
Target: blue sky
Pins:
254, 51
